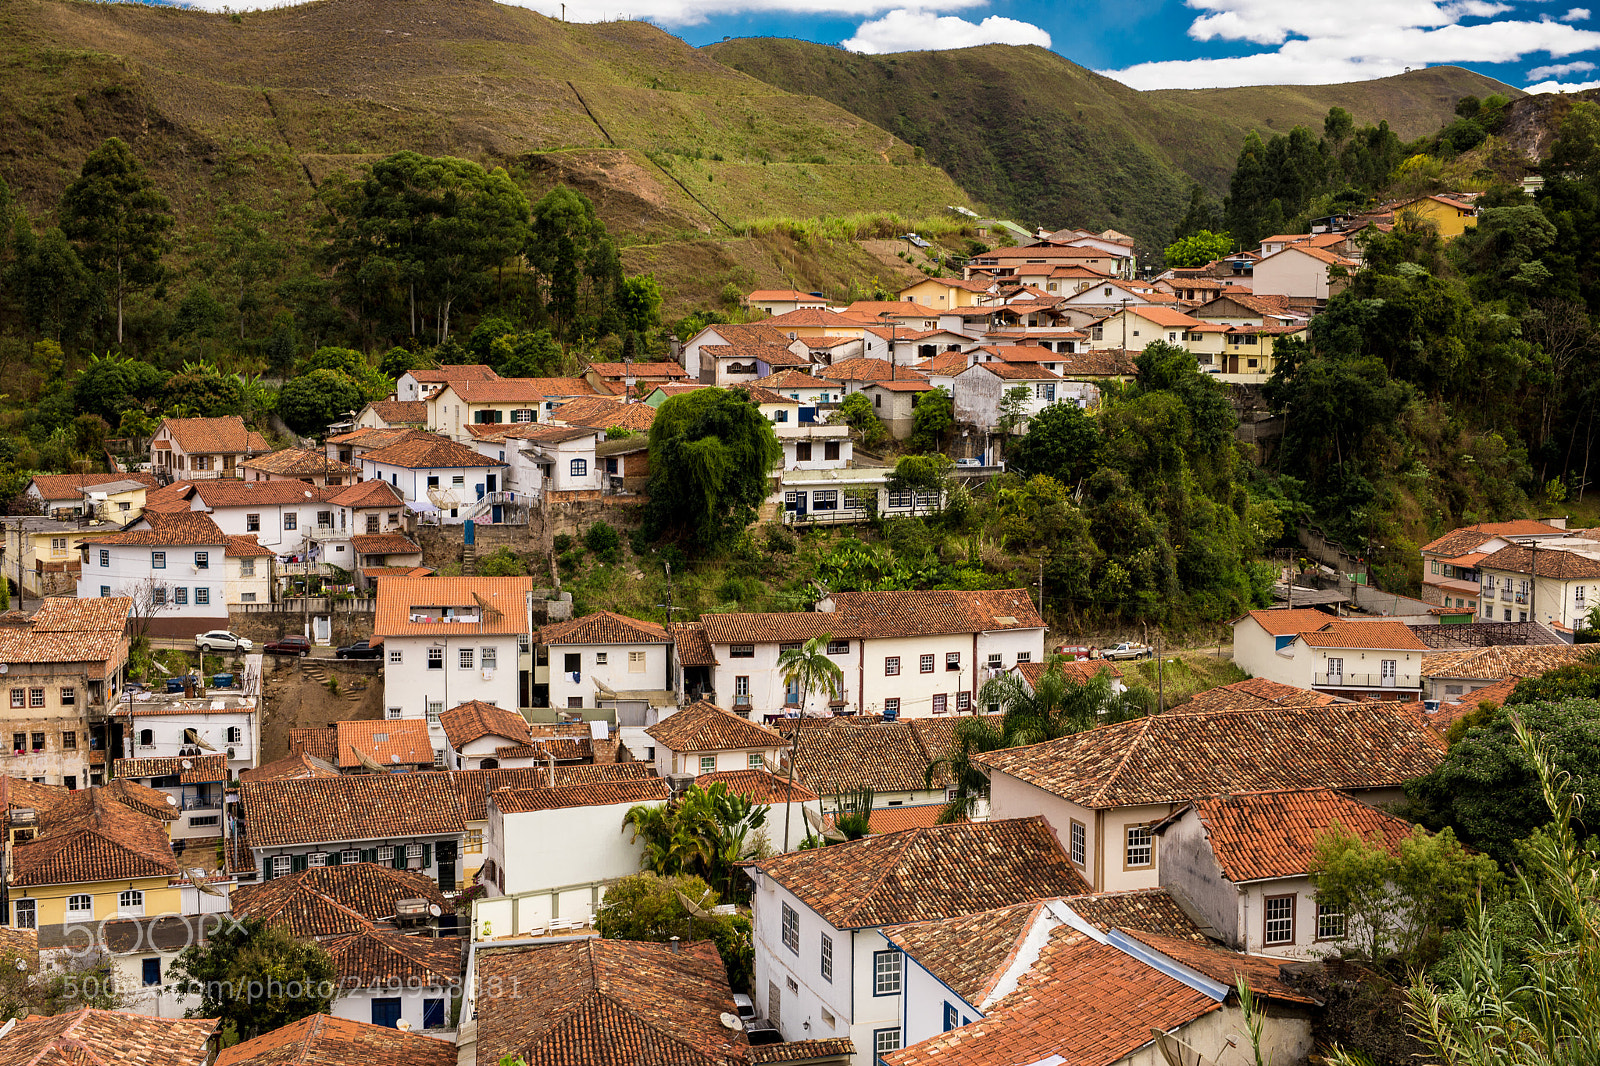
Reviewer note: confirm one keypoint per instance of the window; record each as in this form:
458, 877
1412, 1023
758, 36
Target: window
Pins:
1078, 844
522, 414
36, 697
386, 853
465, 657
396, 657
204, 820
325, 518
395, 712
741, 686
488, 658
636, 662
38, 741
1024, 656
459, 481
233, 735
19, 741
791, 929
580, 468
80, 906
27, 914
885, 1041
435, 658
202, 596
1279, 920
601, 658
952, 1017
708, 764
830, 449
941, 703
741, 651
473, 841
247, 568
802, 452
130, 904
147, 738
19, 698
757, 761
349, 856
433, 1013
180, 595
158, 560
886, 974
69, 740
925, 664
963, 701
435, 709
105, 557
1141, 846
891, 666
252, 523
825, 500
202, 560
413, 851
105, 591
291, 520
891, 707
952, 660
838, 647
1330, 922
317, 858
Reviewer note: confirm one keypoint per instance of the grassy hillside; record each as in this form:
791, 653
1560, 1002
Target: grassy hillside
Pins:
261, 107
1033, 133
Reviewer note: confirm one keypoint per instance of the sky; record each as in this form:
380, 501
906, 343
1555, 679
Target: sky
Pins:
1538, 45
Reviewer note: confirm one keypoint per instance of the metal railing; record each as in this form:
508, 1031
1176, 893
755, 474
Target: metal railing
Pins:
1378, 680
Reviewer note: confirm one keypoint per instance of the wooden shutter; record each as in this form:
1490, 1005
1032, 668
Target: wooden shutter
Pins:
369, 854
297, 863
333, 858
427, 856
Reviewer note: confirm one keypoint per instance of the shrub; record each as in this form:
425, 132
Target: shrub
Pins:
602, 539
780, 539
561, 542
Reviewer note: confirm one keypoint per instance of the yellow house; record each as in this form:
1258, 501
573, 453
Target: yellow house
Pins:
943, 294
1249, 349
47, 549
1450, 217
96, 853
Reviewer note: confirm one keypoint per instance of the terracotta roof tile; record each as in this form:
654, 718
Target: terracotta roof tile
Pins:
328, 900
401, 412
242, 546
1151, 909
189, 769
924, 874
792, 379
1345, 633
438, 375
90, 836
436, 453
593, 794
142, 798
500, 390
599, 1002
1257, 692
839, 756
1257, 836
1108, 362
897, 819
907, 614
362, 807
665, 370
290, 767
506, 599
475, 720
1082, 1004
1552, 563
600, 412
388, 958
226, 435
473, 786
1263, 974
396, 742
567, 388
384, 544
603, 627
1504, 661
1284, 622
223, 492
703, 726
758, 786
56, 487
864, 369
320, 742
792, 627
1173, 757
1471, 538
771, 354
556, 749
322, 1040
371, 493
692, 646
968, 952
299, 462
1079, 670
90, 1037
182, 530
800, 1050
67, 630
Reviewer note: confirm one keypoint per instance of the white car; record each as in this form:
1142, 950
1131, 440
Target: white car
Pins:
222, 640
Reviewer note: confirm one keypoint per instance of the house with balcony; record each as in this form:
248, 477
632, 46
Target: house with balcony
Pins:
114, 497
407, 821
702, 738
42, 553
198, 449
1450, 576
64, 670
435, 477
1353, 659
502, 401
542, 459
823, 965
603, 655
194, 786
1103, 790
834, 495
181, 571
1553, 582
222, 722
451, 640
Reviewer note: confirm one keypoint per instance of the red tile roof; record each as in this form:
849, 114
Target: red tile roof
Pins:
1257, 692
1561, 565
603, 627
1470, 538
453, 372
599, 1002
838, 1047
505, 597
387, 959
182, 530
56, 487
292, 766
1173, 757
402, 412
908, 614
89, 1037
593, 794
864, 369
392, 742
790, 627
1257, 836
327, 900
923, 874
692, 646
384, 544
500, 390
188, 769
473, 786
225, 435
90, 836
1344, 633
600, 412
475, 720
322, 1040
366, 494
703, 726
1285, 622
897, 819
299, 462
425, 453
349, 808
758, 786
1261, 973
663, 370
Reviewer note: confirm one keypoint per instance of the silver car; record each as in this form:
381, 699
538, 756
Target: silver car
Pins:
222, 640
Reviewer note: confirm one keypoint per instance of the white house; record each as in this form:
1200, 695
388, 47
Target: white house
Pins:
823, 968
813, 446
1344, 657
195, 449
433, 474
800, 386
551, 853
757, 343
542, 458
388, 975
1560, 594
978, 392
423, 384
501, 401
451, 640
475, 731
782, 301
118, 496
1102, 790
193, 784
603, 654
407, 821
219, 722
702, 738
1254, 888
179, 569
309, 466
1302, 271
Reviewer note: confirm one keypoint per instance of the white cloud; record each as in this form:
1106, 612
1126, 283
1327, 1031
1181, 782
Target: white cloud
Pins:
921, 31
1577, 14
1558, 87
1561, 70
1320, 43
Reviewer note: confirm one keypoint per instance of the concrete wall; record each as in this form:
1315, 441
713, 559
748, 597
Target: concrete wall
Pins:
349, 626
1189, 865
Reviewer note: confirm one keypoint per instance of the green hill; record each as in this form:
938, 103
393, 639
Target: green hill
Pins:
1034, 134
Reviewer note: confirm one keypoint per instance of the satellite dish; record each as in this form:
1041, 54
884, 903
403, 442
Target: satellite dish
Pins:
187, 765
814, 820
692, 907
435, 910
5, 668
172, 801
394, 757
1175, 1052
729, 1021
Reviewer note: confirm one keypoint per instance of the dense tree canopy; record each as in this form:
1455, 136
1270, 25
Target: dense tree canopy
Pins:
711, 456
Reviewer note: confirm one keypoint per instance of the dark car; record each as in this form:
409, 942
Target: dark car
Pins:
288, 646
361, 649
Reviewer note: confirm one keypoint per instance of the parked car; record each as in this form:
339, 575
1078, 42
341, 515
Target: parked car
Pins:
222, 640
1128, 649
973, 461
288, 646
361, 649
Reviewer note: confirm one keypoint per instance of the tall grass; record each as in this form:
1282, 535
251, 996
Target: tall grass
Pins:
864, 226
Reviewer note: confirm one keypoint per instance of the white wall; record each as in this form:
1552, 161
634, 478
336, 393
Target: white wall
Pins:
813, 999
409, 686
356, 1005
413, 484
767, 690
614, 673
128, 570
670, 762
1291, 273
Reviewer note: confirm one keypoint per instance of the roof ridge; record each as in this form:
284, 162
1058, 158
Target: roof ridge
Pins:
898, 848
1127, 756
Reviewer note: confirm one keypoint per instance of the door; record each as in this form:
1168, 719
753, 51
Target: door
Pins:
386, 1012
800, 499
1335, 671
322, 629
1387, 673
490, 481
480, 490
496, 514
808, 415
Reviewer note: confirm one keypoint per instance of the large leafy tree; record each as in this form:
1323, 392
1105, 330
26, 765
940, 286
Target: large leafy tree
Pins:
1198, 249
49, 280
1062, 442
254, 978
704, 834
309, 402
577, 267
711, 458
647, 906
118, 218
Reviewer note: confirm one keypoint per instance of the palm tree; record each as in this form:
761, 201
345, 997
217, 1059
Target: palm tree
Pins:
1057, 706
807, 669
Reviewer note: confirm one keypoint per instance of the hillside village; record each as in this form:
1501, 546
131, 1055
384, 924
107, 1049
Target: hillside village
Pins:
881, 888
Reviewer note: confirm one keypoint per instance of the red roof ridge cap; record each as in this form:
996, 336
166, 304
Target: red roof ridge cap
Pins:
898, 849
1098, 796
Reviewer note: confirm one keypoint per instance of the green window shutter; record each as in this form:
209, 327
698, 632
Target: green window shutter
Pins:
333, 858
369, 854
399, 860
427, 856
297, 863
266, 868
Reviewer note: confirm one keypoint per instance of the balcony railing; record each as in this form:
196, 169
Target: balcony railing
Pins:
202, 803
1378, 680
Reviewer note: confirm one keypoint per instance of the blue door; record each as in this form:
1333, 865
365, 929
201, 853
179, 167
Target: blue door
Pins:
433, 1014
495, 514
480, 490
386, 1012
808, 415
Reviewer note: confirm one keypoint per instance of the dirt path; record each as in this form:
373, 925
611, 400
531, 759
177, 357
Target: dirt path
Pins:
298, 696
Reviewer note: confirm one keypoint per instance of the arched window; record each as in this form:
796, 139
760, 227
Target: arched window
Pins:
147, 737
489, 764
